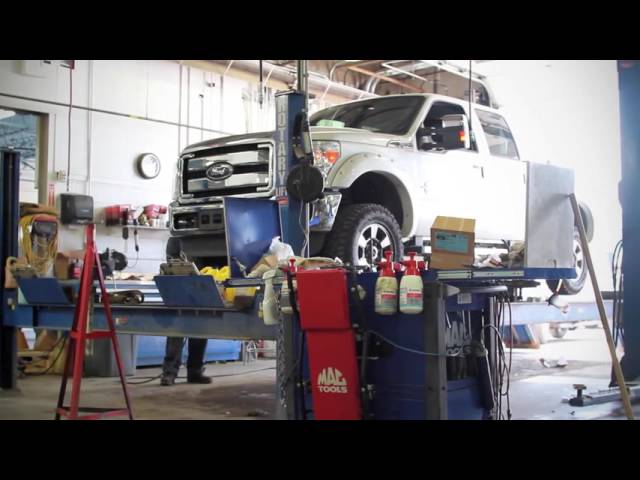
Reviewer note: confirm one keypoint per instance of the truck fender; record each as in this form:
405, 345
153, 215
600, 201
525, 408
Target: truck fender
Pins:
352, 168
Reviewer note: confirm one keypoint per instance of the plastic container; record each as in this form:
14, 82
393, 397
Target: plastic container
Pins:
151, 351
100, 361
270, 302
411, 296
386, 297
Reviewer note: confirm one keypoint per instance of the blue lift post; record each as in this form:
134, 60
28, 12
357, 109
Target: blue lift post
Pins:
294, 216
629, 83
292, 212
9, 181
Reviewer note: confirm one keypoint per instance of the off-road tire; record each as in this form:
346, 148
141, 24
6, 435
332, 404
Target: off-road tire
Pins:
351, 221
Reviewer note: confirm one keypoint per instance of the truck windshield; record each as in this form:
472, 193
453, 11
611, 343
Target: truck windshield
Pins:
391, 115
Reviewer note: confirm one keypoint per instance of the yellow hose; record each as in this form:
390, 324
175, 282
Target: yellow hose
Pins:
40, 263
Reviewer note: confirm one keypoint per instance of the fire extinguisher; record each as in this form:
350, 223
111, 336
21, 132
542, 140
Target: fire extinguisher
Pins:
386, 298
411, 286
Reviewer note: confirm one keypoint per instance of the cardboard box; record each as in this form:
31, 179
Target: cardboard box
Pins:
63, 261
452, 243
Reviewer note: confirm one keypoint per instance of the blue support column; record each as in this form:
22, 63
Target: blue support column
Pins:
9, 202
629, 81
292, 212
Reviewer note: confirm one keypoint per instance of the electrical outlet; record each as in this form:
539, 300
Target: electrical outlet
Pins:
61, 176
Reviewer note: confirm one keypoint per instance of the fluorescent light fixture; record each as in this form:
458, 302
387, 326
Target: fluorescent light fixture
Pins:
6, 114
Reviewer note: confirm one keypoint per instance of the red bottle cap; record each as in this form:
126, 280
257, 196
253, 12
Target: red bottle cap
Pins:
411, 264
387, 266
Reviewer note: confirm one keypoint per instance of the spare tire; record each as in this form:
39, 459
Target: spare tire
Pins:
587, 220
572, 286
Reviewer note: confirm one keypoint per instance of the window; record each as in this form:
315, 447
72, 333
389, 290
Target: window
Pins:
391, 115
19, 132
499, 138
434, 120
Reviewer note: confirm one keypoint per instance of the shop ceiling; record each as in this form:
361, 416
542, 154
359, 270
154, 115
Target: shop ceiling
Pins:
349, 79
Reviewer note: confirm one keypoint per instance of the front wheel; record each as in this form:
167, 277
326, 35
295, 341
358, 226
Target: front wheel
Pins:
362, 233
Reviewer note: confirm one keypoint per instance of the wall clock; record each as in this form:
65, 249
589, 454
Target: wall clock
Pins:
148, 165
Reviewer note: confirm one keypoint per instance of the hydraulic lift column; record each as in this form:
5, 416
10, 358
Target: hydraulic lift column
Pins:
294, 217
9, 201
293, 213
629, 78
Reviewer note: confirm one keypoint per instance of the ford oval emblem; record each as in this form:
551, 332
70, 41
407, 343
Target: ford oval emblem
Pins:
219, 171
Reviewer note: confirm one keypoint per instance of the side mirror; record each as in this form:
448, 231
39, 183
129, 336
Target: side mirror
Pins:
452, 135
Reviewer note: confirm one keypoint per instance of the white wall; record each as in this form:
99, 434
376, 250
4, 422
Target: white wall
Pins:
566, 113
104, 146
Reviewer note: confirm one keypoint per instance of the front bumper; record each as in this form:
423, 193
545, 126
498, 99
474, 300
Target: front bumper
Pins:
196, 219
187, 220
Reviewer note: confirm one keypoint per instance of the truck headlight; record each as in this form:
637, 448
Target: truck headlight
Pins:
325, 153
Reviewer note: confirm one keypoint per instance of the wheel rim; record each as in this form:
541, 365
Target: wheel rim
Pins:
373, 241
578, 258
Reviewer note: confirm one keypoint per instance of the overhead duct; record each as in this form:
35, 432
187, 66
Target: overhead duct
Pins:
286, 74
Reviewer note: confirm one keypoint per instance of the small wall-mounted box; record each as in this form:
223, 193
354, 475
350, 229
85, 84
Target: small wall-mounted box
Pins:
76, 209
38, 68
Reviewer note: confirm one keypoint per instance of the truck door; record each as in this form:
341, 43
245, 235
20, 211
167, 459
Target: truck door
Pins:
450, 181
505, 176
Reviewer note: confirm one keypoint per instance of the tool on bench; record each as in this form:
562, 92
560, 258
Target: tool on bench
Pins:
112, 261
178, 266
127, 297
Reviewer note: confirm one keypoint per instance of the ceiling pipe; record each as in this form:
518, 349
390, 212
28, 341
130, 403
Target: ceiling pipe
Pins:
374, 85
385, 78
338, 65
345, 63
289, 76
461, 71
403, 71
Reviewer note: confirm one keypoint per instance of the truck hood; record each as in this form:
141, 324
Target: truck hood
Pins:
351, 135
230, 140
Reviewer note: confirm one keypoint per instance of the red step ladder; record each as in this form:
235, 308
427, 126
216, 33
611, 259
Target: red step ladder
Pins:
79, 335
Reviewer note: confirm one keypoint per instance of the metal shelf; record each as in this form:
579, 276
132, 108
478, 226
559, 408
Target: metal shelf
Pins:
139, 227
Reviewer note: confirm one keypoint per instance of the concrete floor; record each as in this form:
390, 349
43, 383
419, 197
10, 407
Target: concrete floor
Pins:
248, 391
244, 392
537, 392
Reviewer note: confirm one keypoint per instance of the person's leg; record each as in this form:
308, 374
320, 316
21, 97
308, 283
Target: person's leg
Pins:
195, 361
172, 360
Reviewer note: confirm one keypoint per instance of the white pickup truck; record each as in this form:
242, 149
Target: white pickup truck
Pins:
391, 165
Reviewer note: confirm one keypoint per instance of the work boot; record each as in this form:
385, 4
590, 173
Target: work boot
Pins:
197, 377
167, 379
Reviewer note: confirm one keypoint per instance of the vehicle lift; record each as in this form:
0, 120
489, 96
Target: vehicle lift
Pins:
400, 367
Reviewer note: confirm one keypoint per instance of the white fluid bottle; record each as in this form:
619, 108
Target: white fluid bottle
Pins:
411, 296
386, 298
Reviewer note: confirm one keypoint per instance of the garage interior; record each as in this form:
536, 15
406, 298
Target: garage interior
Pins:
356, 239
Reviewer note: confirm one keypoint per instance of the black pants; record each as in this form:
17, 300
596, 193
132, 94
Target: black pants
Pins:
173, 355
